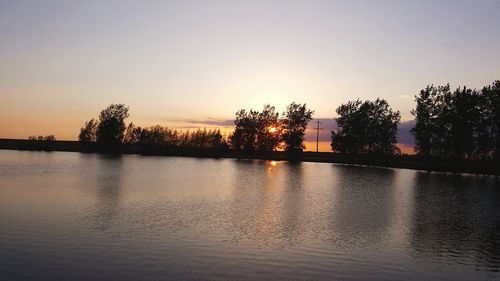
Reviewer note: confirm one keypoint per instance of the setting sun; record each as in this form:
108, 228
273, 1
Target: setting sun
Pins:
272, 129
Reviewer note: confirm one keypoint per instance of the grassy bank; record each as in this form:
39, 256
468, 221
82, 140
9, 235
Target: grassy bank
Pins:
404, 161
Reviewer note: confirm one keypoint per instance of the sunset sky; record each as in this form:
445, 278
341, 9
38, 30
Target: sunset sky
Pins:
195, 63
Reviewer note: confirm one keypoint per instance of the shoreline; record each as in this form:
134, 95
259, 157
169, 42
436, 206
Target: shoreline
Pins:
399, 161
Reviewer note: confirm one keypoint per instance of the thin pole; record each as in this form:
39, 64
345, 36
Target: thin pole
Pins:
317, 135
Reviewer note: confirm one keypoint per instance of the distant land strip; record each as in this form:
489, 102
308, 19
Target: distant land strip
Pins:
398, 161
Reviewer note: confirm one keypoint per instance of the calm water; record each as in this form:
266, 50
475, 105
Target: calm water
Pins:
70, 216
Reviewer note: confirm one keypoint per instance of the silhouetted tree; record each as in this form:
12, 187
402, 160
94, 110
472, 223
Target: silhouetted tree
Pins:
256, 131
244, 137
217, 140
442, 129
158, 135
111, 126
463, 120
88, 132
429, 132
202, 139
268, 129
132, 134
368, 127
294, 123
489, 135
452, 124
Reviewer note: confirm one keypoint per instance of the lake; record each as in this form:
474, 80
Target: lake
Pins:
72, 216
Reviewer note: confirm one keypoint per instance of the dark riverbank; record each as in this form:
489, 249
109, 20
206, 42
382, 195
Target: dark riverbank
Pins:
404, 161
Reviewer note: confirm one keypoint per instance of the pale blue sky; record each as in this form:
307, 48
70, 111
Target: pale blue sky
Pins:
61, 62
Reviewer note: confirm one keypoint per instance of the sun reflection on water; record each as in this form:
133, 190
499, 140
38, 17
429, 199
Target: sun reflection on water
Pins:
271, 165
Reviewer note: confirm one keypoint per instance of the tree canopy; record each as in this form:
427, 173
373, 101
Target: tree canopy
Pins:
111, 128
256, 131
294, 124
463, 124
366, 127
265, 131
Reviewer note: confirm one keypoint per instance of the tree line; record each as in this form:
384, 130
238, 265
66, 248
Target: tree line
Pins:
255, 131
460, 124
48, 138
110, 129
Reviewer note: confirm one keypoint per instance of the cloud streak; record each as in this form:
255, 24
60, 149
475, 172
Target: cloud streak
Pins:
211, 122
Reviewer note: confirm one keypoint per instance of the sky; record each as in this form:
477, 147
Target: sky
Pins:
188, 64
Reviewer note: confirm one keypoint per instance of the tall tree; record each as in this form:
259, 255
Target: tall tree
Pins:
268, 130
349, 136
111, 126
463, 122
244, 137
368, 127
294, 125
428, 133
490, 121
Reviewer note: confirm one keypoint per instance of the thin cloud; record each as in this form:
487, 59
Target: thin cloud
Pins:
212, 122
207, 122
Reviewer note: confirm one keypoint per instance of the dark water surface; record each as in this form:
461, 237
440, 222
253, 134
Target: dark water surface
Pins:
70, 216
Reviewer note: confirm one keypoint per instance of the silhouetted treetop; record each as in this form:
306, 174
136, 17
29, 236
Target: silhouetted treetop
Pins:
111, 126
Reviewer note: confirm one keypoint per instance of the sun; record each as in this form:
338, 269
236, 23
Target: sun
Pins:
272, 130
